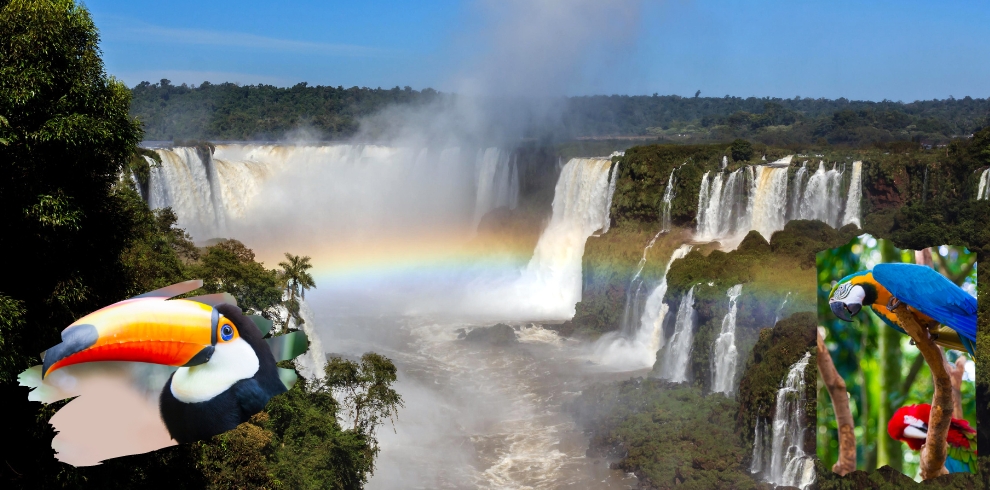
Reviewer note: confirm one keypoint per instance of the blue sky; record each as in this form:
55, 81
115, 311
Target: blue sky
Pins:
903, 50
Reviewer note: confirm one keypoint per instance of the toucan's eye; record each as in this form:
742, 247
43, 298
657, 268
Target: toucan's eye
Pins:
226, 332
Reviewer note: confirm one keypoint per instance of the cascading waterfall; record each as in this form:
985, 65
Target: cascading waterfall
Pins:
794, 207
608, 202
762, 198
634, 293
759, 447
550, 285
193, 188
677, 352
822, 198
497, 182
311, 363
983, 191
789, 465
637, 347
726, 355
851, 214
668, 199
722, 208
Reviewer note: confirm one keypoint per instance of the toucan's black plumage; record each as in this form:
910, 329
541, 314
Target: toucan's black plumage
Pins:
189, 422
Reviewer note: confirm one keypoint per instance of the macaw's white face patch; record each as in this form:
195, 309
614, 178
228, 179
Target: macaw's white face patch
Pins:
849, 293
231, 362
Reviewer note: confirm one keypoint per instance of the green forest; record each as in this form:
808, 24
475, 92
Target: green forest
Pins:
226, 111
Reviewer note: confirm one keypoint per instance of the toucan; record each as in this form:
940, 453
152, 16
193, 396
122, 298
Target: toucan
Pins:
223, 370
910, 425
944, 309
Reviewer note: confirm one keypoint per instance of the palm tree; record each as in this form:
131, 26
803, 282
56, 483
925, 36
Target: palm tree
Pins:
297, 281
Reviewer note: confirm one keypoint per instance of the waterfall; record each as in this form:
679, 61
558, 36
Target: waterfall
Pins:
677, 356
789, 465
855, 194
497, 182
794, 207
822, 198
983, 192
634, 292
758, 463
769, 200
725, 358
635, 346
551, 282
193, 189
722, 207
311, 362
668, 199
608, 202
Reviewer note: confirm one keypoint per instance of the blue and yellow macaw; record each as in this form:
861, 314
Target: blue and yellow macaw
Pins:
944, 309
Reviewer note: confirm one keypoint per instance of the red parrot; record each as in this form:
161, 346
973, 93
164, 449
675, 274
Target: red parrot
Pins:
910, 425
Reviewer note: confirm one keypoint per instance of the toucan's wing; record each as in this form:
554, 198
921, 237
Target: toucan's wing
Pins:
173, 290
114, 413
932, 294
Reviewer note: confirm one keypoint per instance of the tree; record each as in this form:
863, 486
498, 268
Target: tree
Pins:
229, 266
297, 281
742, 150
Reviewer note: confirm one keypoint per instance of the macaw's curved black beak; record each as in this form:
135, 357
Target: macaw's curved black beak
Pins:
845, 311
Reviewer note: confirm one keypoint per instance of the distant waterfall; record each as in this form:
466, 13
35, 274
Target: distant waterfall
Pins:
855, 194
497, 183
722, 209
634, 293
677, 355
551, 282
637, 343
983, 192
311, 363
789, 465
760, 456
780, 310
763, 198
726, 355
668, 199
797, 190
822, 198
608, 202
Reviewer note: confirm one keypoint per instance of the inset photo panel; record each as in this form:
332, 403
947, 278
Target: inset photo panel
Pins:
896, 344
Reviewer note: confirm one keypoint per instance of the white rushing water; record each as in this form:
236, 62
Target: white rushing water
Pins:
789, 464
764, 198
634, 293
851, 214
607, 222
726, 355
677, 352
497, 183
550, 285
668, 198
780, 310
635, 346
242, 188
760, 456
983, 191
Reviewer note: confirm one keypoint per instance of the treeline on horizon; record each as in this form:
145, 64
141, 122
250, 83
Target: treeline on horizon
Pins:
229, 111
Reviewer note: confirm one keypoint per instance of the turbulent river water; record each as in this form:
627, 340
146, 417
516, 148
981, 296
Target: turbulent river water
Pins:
478, 415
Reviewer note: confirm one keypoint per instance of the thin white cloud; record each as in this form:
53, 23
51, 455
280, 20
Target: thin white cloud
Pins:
135, 31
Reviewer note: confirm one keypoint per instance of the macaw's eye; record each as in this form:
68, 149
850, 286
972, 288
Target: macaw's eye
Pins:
226, 332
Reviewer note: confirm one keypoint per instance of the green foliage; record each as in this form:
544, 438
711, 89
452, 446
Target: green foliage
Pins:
297, 280
229, 266
669, 435
742, 150
365, 389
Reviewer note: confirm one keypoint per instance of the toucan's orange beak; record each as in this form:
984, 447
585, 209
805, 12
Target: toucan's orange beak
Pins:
174, 333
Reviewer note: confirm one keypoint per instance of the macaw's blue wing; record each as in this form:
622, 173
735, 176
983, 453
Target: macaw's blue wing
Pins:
932, 294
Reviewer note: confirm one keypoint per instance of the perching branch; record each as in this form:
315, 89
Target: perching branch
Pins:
935, 450
840, 404
956, 372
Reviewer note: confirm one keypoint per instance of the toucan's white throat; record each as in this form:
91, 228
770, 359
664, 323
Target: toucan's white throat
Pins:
231, 362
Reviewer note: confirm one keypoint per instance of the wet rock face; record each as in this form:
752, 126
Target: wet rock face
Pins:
499, 334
